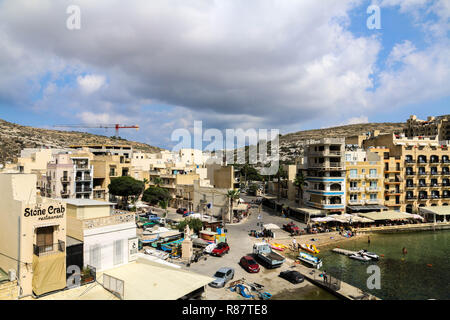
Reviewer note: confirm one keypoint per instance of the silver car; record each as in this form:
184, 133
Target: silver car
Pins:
222, 276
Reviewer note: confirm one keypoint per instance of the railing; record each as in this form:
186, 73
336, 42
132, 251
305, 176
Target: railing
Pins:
409, 161
356, 201
423, 185
413, 197
117, 218
410, 173
411, 185
373, 176
445, 173
373, 189
373, 201
357, 176
66, 179
81, 190
65, 191
357, 189
85, 178
49, 249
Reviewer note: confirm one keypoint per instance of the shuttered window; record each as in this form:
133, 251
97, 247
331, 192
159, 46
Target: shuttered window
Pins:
118, 252
95, 256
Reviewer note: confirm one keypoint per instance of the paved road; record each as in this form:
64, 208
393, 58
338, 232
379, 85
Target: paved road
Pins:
241, 244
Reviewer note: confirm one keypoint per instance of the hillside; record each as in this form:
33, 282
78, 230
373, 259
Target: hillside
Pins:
14, 137
291, 145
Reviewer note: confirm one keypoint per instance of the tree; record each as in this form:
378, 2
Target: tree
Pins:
252, 189
299, 182
194, 224
125, 187
232, 195
163, 204
157, 181
154, 195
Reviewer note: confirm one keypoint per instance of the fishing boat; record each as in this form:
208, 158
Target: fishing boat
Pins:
360, 257
310, 260
310, 248
371, 255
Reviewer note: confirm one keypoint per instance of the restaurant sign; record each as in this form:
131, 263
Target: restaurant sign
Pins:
51, 212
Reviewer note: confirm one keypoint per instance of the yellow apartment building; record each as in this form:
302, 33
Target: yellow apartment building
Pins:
365, 181
417, 171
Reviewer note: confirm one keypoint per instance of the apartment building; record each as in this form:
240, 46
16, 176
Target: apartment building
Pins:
105, 168
68, 176
324, 171
125, 151
32, 236
432, 127
365, 180
417, 171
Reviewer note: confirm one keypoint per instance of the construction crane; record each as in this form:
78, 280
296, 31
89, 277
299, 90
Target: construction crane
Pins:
104, 126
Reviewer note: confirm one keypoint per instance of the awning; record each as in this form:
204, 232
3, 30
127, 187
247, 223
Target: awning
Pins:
367, 207
271, 226
437, 210
385, 215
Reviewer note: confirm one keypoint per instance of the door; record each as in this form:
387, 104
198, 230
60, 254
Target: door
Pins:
44, 239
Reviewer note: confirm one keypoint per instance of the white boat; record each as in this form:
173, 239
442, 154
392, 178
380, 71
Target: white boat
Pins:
310, 260
360, 257
371, 255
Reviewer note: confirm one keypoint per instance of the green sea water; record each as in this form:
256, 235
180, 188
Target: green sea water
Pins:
422, 273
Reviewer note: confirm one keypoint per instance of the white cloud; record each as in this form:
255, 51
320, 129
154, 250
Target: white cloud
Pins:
90, 83
356, 120
233, 63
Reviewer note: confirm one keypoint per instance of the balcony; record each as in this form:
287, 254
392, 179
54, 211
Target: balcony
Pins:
373, 201
445, 161
357, 189
356, 177
373, 176
83, 190
85, 178
445, 173
49, 249
66, 179
423, 198
423, 173
356, 202
411, 198
391, 181
65, 192
393, 192
435, 197
410, 173
411, 186
373, 189
423, 185
409, 161
435, 185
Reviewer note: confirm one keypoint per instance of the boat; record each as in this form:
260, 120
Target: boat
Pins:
360, 257
371, 255
310, 248
157, 253
278, 246
310, 260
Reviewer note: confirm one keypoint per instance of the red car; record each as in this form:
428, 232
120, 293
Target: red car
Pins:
249, 264
220, 249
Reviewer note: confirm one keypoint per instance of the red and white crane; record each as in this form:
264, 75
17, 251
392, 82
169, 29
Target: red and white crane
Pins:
104, 126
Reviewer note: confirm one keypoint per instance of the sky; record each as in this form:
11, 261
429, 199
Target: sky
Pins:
269, 64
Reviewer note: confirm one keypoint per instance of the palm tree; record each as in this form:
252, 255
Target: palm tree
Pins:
299, 182
232, 195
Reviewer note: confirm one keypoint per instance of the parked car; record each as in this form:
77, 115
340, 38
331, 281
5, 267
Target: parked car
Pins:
188, 213
249, 264
291, 228
292, 276
182, 210
220, 249
222, 276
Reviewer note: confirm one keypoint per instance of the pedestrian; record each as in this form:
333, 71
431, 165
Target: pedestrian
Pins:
368, 239
294, 243
404, 250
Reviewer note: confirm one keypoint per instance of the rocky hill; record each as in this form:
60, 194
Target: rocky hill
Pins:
14, 137
291, 145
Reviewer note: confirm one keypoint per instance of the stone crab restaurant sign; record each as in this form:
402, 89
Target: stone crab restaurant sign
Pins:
51, 212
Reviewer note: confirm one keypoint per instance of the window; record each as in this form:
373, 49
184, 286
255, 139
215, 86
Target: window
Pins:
44, 239
95, 255
373, 172
353, 172
373, 196
118, 252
